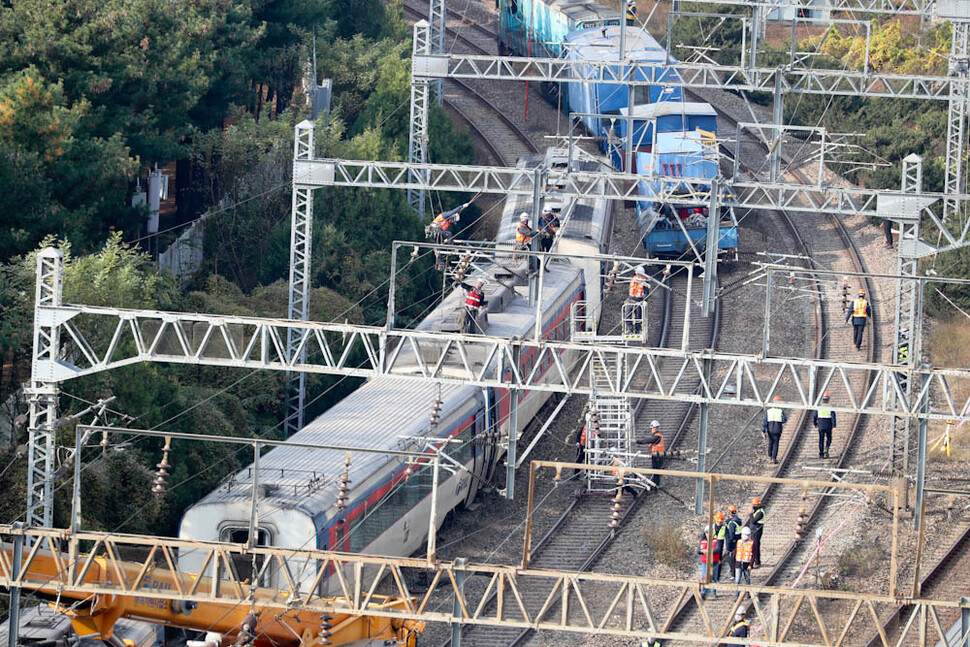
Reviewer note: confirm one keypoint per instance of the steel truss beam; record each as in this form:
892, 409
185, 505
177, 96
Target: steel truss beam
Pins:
587, 603
739, 193
794, 79
894, 7
134, 336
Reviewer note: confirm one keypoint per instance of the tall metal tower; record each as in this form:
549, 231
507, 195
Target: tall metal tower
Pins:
42, 392
418, 133
301, 249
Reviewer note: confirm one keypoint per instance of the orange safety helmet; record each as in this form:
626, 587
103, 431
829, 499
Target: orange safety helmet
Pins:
777, 398
756, 500
733, 509
719, 517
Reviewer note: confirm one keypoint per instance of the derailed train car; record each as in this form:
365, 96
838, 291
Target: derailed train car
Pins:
658, 107
388, 505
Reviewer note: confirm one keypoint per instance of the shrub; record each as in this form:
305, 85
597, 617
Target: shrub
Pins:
667, 545
861, 560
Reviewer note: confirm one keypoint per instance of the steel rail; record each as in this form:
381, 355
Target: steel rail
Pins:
941, 569
802, 422
477, 96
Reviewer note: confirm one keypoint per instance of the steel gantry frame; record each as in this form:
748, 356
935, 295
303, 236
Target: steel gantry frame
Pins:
906, 324
332, 348
957, 115
437, 17
43, 389
420, 94
301, 251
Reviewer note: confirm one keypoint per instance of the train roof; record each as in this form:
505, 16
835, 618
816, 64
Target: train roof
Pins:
588, 220
602, 43
386, 413
665, 108
580, 11
380, 415
514, 317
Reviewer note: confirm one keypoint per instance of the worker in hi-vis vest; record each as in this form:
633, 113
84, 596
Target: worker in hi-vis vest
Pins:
775, 420
860, 314
824, 421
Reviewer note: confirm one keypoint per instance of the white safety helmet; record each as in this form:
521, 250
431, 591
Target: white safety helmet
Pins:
481, 283
740, 613
746, 532
524, 216
641, 269
654, 423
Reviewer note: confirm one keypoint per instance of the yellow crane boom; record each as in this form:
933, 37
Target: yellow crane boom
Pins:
264, 620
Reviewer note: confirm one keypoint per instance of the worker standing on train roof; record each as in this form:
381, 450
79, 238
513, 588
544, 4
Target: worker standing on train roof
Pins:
655, 443
824, 421
775, 420
474, 301
860, 314
720, 536
755, 523
715, 561
548, 228
740, 628
523, 232
732, 535
631, 13
743, 557
443, 221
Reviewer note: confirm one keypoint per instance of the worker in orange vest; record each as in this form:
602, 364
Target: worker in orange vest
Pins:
638, 292
441, 225
655, 443
523, 232
582, 442
743, 554
860, 314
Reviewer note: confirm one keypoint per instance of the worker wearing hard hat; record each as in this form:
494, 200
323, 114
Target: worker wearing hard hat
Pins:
637, 293
474, 304
743, 556
655, 443
860, 314
523, 232
740, 628
774, 423
824, 421
631, 13
755, 523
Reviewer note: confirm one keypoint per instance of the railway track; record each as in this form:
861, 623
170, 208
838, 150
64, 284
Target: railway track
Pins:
503, 138
582, 534
945, 581
786, 505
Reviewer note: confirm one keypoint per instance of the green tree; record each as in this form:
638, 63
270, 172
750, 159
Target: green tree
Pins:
59, 176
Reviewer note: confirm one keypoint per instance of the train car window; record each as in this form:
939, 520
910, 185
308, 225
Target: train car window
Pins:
641, 94
244, 563
513, 7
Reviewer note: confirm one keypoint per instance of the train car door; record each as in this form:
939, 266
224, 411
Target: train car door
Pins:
493, 421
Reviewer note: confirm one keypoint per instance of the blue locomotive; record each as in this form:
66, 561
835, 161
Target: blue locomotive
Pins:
665, 126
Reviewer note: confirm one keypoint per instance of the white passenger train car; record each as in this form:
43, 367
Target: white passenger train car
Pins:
389, 505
